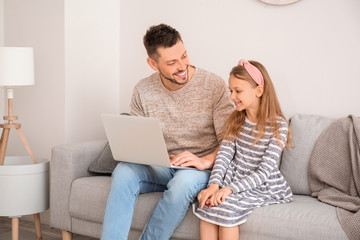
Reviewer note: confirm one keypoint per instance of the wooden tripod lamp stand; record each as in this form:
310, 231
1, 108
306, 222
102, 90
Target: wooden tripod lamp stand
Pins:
9, 125
16, 69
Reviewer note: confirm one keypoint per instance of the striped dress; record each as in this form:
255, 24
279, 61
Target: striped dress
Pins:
251, 172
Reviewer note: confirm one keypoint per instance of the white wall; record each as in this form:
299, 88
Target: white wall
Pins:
40, 108
76, 48
1, 23
2, 106
310, 48
92, 66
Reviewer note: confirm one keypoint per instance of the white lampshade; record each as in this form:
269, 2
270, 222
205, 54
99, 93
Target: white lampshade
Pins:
16, 66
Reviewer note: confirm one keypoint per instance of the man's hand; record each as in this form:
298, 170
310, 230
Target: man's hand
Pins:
204, 196
187, 159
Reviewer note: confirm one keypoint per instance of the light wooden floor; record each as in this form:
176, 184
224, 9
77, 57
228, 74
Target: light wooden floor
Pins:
27, 231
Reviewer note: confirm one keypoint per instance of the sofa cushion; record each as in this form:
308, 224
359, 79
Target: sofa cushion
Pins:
294, 163
88, 196
303, 218
105, 163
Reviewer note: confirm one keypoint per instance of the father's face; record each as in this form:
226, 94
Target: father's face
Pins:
173, 63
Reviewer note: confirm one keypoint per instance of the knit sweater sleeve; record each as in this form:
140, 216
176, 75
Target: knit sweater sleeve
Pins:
267, 165
222, 162
136, 108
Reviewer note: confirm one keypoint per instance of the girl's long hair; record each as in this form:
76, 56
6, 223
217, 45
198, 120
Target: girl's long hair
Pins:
269, 109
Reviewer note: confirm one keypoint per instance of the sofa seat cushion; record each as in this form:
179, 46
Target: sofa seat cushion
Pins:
303, 218
88, 198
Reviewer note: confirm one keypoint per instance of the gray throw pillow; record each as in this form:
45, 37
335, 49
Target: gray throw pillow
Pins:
306, 129
105, 163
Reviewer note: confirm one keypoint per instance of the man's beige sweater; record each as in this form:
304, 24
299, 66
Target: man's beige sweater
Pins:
192, 117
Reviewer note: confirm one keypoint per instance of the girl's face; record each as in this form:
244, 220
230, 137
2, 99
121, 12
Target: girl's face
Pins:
245, 95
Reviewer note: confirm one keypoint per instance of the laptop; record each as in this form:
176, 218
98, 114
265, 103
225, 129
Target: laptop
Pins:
137, 140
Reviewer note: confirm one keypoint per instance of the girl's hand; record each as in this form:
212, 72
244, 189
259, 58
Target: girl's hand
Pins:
205, 194
219, 196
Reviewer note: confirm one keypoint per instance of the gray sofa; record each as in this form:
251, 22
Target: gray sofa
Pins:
78, 197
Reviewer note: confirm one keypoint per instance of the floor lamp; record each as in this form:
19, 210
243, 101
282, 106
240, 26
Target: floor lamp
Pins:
16, 69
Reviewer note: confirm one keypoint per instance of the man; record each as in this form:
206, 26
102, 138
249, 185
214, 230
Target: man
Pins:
192, 106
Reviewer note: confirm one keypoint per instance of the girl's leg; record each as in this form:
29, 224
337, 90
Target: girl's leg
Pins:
229, 233
208, 231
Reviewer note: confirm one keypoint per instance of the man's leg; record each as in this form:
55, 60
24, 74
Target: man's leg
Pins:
128, 180
172, 207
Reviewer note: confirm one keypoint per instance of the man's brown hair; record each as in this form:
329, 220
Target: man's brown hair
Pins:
161, 35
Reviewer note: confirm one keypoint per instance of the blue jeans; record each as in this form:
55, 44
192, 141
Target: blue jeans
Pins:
180, 188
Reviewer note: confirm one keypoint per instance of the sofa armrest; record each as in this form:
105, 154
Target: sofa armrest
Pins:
68, 162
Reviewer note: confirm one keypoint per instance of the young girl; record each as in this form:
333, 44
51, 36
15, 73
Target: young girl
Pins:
245, 175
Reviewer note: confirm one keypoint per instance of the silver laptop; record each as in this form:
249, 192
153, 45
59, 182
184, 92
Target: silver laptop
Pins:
136, 139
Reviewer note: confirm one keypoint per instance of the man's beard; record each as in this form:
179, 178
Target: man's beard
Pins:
174, 81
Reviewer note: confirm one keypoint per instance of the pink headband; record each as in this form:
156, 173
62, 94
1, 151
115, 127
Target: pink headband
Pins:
254, 73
